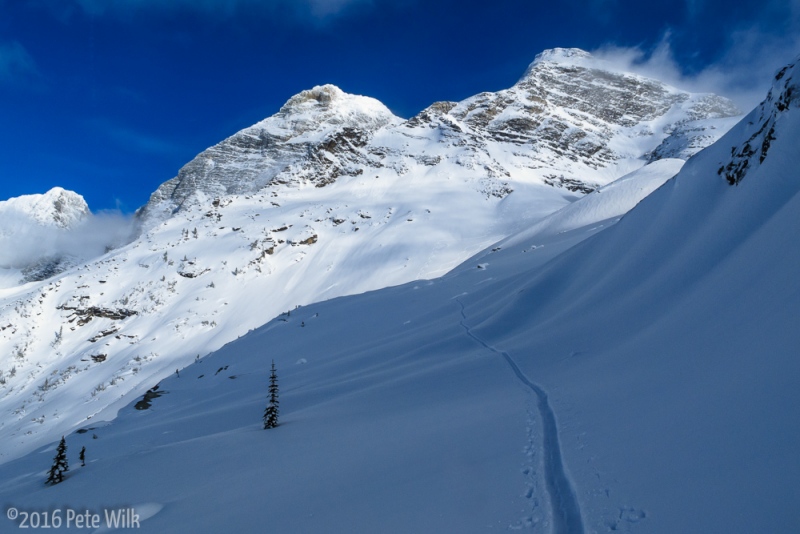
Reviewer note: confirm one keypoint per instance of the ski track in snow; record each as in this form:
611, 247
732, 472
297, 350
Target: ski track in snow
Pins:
566, 511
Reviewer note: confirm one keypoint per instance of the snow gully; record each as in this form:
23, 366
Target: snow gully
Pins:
565, 509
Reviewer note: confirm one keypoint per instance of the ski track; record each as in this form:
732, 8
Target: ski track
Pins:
565, 509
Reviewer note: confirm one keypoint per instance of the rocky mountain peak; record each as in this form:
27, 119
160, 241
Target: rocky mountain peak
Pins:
327, 105
568, 123
288, 146
57, 207
31, 228
320, 95
64, 208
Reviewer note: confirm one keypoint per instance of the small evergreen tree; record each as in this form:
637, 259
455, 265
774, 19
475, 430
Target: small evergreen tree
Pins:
60, 465
83, 457
271, 413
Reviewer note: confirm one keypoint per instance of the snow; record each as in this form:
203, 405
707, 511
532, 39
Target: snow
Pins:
58, 207
48, 233
608, 202
625, 363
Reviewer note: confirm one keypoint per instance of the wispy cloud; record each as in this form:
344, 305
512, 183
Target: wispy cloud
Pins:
23, 242
314, 9
743, 72
134, 140
17, 67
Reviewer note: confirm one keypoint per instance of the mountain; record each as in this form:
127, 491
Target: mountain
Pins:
56, 208
568, 122
331, 196
593, 373
30, 228
42, 236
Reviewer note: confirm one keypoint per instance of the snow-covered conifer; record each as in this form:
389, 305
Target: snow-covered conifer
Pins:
271, 413
60, 466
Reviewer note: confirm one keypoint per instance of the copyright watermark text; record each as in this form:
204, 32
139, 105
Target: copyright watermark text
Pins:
73, 518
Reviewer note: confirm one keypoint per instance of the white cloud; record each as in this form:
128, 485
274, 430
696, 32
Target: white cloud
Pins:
16, 65
742, 73
23, 242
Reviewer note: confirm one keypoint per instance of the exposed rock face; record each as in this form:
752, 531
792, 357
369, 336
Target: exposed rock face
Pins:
570, 116
48, 267
783, 96
294, 144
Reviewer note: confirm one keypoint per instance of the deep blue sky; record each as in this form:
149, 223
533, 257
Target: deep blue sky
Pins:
110, 98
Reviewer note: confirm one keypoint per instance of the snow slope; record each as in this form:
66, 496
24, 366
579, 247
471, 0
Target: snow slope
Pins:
669, 342
388, 404
637, 378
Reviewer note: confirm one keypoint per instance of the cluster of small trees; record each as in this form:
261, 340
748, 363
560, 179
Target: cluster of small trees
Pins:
61, 465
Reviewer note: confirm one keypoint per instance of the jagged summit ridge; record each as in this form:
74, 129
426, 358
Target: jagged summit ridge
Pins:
562, 56
567, 124
290, 143
583, 65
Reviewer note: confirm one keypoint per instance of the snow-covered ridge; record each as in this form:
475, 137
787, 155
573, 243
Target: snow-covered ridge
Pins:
310, 109
563, 125
57, 207
762, 125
